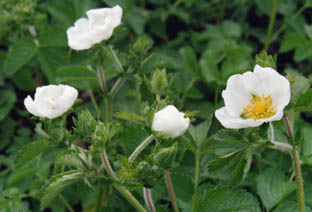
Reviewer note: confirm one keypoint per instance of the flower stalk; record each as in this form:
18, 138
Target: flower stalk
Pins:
296, 164
115, 59
271, 24
140, 148
148, 199
171, 191
136, 204
196, 178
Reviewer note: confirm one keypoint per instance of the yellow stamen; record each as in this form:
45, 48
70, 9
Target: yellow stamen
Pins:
260, 107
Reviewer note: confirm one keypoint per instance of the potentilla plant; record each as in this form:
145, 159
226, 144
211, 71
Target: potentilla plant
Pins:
98, 150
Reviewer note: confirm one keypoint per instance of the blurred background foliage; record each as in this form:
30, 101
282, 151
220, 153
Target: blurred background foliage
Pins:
199, 42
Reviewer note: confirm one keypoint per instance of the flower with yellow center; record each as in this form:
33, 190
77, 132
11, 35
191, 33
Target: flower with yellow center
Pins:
253, 98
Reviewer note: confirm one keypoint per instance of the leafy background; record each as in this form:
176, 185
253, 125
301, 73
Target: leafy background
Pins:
200, 43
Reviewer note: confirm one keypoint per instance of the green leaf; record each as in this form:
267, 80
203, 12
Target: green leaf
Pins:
227, 141
19, 54
31, 150
57, 184
53, 37
20, 173
80, 77
189, 59
223, 199
265, 60
288, 206
304, 52
7, 101
68, 159
209, 68
200, 132
292, 41
273, 187
231, 29
304, 102
129, 116
50, 60
23, 80
299, 84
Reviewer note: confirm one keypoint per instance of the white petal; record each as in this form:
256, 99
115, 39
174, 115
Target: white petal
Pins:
235, 122
267, 81
105, 16
236, 96
78, 35
30, 106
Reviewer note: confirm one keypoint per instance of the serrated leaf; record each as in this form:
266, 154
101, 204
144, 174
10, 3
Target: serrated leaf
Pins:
265, 60
31, 150
79, 76
19, 54
288, 206
222, 199
129, 116
68, 159
227, 141
304, 102
20, 173
200, 132
57, 184
189, 59
299, 84
7, 101
292, 41
273, 187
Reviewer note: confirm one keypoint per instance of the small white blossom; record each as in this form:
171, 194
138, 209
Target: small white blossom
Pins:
170, 122
253, 98
99, 26
51, 101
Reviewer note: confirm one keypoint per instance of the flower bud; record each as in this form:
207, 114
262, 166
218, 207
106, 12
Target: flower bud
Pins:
85, 124
165, 157
51, 101
170, 122
159, 81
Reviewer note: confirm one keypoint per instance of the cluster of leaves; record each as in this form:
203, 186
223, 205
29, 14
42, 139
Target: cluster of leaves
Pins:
178, 52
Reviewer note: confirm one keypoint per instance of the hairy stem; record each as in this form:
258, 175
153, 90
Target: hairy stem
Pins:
115, 59
95, 105
171, 192
140, 148
109, 108
296, 164
148, 199
196, 178
118, 84
135, 203
271, 24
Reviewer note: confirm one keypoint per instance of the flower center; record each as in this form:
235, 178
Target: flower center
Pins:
260, 107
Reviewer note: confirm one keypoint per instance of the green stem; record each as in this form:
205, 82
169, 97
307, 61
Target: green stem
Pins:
135, 203
271, 24
297, 167
222, 12
119, 83
67, 205
109, 108
95, 105
196, 178
140, 148
171, 192
177, 3
60, 196
148, 199
285, 25
115, 59
102, 81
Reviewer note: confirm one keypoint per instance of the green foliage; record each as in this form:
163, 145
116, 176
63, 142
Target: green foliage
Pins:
265, 60
57, 184
272, 187
225, 199
19, 54
31, 150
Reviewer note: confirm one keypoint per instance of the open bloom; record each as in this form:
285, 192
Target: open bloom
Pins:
253, 98
170, 122
51, 101
97, 27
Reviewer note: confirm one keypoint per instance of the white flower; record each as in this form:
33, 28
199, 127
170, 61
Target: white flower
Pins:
253, 98
170, 122
97, 27
51, 101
